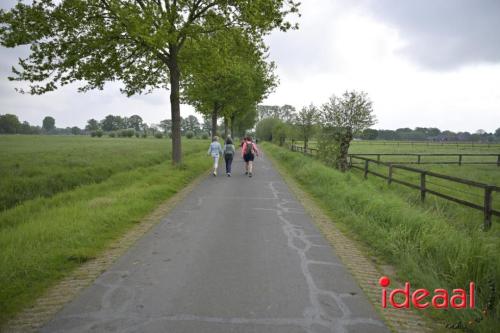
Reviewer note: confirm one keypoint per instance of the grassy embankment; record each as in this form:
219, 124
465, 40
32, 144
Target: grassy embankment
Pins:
425, 245
44, 238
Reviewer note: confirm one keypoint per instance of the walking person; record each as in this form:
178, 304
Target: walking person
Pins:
249, 151
228, 155
215, 150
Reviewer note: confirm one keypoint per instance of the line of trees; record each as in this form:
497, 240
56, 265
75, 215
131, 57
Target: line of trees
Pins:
429, 134
208, 53
190, 126
10, 124
339, 121
334, 124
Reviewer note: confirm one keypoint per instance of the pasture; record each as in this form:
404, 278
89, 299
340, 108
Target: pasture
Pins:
479, 172
78, 194
41, 166
446, 165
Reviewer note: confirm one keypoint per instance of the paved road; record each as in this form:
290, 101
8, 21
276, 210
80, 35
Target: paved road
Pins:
238, 254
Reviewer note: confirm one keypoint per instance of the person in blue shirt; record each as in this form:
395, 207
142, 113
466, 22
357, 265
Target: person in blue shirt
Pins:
215, 150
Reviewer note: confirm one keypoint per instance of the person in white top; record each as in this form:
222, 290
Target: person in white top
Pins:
215, 150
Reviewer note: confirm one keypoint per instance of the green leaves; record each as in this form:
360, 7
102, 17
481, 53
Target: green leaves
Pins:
140, 43
226, 70
352, 112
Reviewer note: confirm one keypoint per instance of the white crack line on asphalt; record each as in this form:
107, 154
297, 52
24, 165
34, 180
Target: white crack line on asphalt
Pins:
238, 197
315, 313
287, 210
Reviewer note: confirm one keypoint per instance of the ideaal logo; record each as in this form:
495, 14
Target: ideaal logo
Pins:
440, 299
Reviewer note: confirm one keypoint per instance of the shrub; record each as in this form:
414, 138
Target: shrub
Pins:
93, 134
158, 135
265, 128
137, 134
189, 134
144, 134
204, 136
130, 132
126, 133
112, 134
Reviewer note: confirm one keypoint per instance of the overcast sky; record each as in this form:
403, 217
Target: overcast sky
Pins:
433, 63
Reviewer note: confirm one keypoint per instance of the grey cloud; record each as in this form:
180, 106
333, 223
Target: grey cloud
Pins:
445, 34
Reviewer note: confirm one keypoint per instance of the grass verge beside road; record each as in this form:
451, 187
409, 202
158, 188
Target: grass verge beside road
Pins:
425, 248
43, 239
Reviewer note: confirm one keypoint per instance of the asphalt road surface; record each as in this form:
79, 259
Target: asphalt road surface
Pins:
238, 254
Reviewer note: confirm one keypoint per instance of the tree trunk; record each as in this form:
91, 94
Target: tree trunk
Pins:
214, 119
344, 150
226, 127
175, 109
232, 126
306, 141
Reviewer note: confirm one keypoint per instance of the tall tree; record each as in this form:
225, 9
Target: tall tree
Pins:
206, 125
9, 124
346, 116
112, 123
305, 121
25, 128
268, 111
231, 76
166, 126
48, 124
135, 122
136, 42
92, 125
287, 113
192, 124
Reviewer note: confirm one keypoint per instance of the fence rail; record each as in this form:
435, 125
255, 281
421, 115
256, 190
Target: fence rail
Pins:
429, 143
419, 158
487, 189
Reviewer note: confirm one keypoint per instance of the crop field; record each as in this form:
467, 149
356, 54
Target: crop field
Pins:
436, 244
73, 196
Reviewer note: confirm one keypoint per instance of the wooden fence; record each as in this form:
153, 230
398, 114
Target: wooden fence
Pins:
486, 207
420, 158
429, 143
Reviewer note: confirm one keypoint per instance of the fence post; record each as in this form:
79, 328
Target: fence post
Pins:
460, 159
422, 186
418, 159
487, 208
498, 161
350, 161
366, 169
389, 178
378, 158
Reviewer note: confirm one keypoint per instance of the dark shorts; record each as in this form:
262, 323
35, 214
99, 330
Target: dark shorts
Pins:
248, 157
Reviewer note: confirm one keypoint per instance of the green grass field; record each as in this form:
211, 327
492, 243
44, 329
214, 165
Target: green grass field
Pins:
43, 234
437, 244
33, 166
